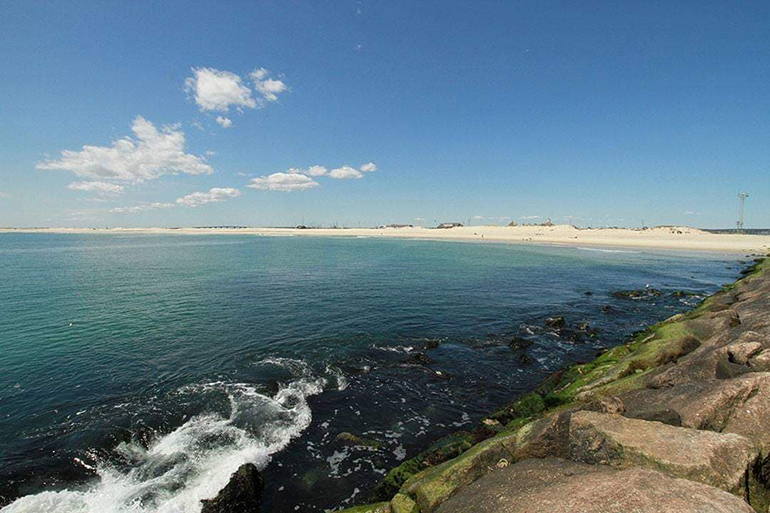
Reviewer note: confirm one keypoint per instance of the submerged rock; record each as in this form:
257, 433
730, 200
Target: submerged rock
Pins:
637, 293
242, 494
357, 441
518, 343
555, 323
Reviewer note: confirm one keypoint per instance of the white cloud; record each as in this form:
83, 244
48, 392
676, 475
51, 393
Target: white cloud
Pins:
195, 199
368, 168
141, 208
224, 122
529, 217
218, 90
211, 153
285, 182
267, 87
214, 195
345, 173
311, 171
478, 217
150, 155
97, 187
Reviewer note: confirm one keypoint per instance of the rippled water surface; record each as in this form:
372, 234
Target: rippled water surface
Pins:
137, 372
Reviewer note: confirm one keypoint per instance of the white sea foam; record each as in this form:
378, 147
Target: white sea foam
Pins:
600, 250
194, 461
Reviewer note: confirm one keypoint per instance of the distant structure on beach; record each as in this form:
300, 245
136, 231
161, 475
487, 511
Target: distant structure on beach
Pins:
513, 223
396, 226
741, 201
444, 226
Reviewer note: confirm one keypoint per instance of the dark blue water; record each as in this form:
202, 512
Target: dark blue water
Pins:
137, 372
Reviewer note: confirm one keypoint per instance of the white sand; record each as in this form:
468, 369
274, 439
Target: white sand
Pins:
666, 238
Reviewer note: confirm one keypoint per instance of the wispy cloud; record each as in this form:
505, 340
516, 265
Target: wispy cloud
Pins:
150, 154
224, 122
104, 188
195, 199
269, 88
529, 217
284, 182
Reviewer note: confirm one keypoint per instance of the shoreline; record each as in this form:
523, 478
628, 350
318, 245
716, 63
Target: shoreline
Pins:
659, 238
700, 378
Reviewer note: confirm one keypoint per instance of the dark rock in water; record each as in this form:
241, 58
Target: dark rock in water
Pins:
525, 359
685, 293
420, 359
357, 441
637, 294
608, 309
518, 343
431, 344
588, 293
242, 494
443, 374
555, 322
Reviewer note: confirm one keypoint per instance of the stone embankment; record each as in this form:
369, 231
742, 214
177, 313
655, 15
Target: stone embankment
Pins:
678, 420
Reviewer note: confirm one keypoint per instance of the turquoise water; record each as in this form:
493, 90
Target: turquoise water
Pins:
138, 372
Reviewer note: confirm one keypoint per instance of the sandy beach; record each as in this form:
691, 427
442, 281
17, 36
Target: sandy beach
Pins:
662, 238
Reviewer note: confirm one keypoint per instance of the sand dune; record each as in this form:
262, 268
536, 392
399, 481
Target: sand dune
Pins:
667, 238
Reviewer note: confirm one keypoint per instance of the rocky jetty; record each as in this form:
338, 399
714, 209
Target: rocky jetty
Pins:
678, 419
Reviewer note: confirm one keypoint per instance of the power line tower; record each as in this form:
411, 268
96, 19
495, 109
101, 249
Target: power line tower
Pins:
741, 201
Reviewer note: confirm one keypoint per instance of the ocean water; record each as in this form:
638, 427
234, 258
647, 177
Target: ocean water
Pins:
137, 372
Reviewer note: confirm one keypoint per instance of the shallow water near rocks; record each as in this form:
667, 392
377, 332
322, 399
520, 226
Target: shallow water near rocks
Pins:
139, 371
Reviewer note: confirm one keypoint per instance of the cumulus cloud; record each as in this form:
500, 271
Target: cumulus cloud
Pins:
285, 182
346, 173
311, 171
224, 122
213, 196
218, 90
97, 187
150, 154
267, 87
369, 167
215, 90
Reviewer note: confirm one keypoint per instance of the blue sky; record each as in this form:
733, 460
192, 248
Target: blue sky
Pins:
608, 113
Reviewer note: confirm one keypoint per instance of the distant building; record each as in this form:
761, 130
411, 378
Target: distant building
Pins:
449, 225
513, 223
301, 227
396, 226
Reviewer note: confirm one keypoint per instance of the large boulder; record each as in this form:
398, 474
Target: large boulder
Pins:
559, 486
716, 459
435, 485
242, 494
740, 405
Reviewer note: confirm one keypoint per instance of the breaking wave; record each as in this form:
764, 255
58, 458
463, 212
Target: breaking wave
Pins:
194, 461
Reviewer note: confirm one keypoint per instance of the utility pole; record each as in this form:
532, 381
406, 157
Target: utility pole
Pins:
741, 201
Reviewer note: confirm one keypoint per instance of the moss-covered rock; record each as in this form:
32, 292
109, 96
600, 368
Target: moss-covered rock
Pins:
380, 507
434, 485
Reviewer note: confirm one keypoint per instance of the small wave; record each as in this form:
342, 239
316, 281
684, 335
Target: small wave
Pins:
600, 250
194, 461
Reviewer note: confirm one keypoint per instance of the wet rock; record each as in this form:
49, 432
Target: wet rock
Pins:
637, 294
543, 438
519, 343
559, 486
588, 293
402, 503
242, 494
524, 359
608, 309
555, 323
357, 441
419, 359
715, 459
